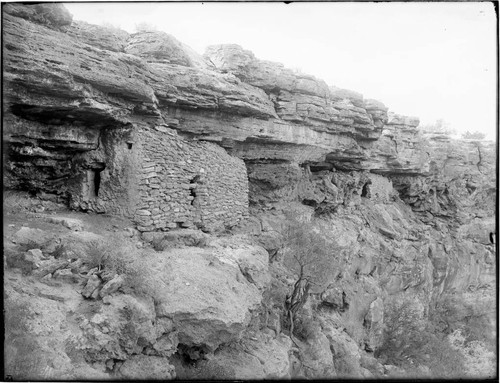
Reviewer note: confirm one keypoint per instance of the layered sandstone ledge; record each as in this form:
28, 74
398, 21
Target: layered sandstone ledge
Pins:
75, 94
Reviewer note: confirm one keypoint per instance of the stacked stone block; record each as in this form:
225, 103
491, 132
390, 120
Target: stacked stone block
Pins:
188, 184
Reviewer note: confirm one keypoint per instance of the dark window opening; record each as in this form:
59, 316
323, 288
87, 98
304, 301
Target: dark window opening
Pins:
97, 181
129, 145
192, 193
94, 179
366, 190
192, 188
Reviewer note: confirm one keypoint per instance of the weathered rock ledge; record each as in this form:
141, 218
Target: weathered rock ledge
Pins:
70, 85
140, 126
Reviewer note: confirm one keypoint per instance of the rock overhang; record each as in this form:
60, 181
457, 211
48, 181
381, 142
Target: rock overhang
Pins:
255, 109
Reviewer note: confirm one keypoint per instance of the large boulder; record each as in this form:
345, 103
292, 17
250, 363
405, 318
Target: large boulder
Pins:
143, 367
205, 294
256, 358
53, 15
163, 48
108, 38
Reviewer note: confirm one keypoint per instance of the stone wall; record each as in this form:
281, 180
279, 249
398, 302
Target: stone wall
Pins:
186, 183
106, 180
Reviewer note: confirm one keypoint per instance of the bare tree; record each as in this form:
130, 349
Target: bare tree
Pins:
311, 257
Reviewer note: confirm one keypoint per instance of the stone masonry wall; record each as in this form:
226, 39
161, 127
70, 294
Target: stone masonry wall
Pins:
105, 180
189, 184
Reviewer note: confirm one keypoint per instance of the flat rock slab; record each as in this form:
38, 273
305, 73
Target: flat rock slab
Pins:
70, 223
209, 301
27, 235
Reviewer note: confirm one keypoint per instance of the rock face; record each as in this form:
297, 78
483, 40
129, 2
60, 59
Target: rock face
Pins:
143, 127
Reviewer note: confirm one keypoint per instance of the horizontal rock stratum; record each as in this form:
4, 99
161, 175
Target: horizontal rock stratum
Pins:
70, 85
201, 165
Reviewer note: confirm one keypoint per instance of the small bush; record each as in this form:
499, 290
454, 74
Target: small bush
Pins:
161, 244
113, 258
59, 251
480, 363
97, 253
411, 342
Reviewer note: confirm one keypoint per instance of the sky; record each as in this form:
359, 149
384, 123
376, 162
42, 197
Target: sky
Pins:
433, 60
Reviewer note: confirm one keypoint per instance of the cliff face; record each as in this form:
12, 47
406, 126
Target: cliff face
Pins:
411, 212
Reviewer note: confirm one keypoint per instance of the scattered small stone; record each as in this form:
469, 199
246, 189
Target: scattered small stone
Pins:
95, 294
70, 223
112, 286
75, 265
66, 275
91, 286
106, 300
34, 257
110, 364
50, 266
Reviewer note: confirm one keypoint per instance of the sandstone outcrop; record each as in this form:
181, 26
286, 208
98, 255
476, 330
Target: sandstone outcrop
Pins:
139, 126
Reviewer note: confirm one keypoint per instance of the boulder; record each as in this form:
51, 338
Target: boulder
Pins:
346, 354
202, 296
317, 357
67, 276
107, 38
49, 266
33, 257
143, 367
112, 286
252, 261
70, 223
92, 285
272, 354
29, 236
374, 322
163, 48
52, 15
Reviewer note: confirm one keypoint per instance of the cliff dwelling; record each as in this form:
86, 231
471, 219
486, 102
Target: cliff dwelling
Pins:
163, 182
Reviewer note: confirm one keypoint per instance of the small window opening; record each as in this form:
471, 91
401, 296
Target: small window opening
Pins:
97, 181
366, 191
129, 145
94, 179
192, 188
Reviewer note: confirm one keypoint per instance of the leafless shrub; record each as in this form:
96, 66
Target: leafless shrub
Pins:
411, 342
310, 256
161, 244
113, 258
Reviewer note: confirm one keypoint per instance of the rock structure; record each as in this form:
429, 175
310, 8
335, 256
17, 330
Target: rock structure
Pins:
143, 127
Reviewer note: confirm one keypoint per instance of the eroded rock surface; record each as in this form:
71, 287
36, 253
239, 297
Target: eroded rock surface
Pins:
142, 127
